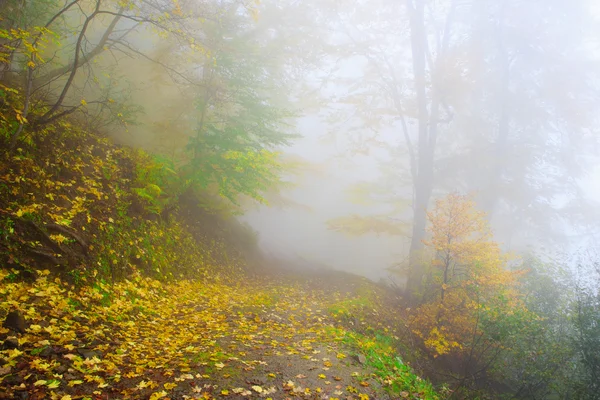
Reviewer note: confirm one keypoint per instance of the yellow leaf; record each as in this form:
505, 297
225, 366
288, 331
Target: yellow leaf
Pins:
257, 389
158, 395
53, 384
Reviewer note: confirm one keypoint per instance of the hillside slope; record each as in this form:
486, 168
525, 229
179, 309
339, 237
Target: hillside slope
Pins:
104, 294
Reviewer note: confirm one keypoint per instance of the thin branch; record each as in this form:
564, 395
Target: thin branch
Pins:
62, 114
61, 12
78, 62
46, 117
29, 82
165, 66
15, 138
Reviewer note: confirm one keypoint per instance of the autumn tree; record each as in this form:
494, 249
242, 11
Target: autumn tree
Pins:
242, 112
422, 69
70, 76
397, 103
470, 310
224, 130
223, 71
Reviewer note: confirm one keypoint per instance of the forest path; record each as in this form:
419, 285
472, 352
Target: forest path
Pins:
251, 338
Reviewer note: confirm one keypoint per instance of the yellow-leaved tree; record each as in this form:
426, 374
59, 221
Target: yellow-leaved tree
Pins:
472, 310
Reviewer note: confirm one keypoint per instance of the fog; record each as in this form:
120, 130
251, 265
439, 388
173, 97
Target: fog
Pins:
546, 195
396, 104
448, 148
303, 234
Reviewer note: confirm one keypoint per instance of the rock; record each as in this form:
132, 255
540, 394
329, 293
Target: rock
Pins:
15, 322
10, 343
360, 358
87, 353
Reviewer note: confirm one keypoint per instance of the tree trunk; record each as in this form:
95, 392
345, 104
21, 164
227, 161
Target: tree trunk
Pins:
424, 175
491, 186
428, 120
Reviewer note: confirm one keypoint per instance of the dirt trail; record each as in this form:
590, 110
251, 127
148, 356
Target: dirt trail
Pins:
259, 338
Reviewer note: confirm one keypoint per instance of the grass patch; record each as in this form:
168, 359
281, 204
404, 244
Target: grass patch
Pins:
380, 354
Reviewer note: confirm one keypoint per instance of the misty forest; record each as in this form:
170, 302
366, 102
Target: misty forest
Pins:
299, 199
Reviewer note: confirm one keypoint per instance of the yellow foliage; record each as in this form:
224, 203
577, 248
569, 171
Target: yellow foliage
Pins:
468, 277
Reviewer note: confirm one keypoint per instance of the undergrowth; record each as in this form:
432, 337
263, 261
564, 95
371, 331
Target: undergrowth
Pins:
85, 209
380, 352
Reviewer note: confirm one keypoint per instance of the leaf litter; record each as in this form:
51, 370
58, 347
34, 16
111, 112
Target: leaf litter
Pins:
188, 339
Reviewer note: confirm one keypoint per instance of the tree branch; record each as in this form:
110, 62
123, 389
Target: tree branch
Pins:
47, 116
99, 48
165, 66
66, 231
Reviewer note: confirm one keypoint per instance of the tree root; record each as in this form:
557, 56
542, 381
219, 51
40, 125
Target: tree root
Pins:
75, 236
